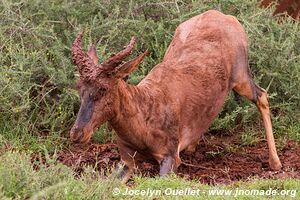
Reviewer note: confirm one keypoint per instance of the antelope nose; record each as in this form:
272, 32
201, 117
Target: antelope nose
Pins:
76, 134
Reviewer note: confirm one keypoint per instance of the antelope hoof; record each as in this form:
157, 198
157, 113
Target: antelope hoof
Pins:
124, 173
167, 165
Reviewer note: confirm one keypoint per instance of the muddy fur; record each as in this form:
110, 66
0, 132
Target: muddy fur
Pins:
170, 109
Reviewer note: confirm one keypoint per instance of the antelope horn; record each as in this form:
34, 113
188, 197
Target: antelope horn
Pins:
116, 59
85, 64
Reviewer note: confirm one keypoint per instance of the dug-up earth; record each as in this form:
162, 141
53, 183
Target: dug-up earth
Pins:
218, 159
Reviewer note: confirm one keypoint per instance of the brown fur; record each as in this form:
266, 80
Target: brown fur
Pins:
175, 104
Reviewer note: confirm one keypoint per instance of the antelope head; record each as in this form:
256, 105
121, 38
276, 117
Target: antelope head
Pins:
97, 86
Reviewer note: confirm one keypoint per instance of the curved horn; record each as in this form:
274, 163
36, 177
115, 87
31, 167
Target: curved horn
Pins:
116, 59
85, 64
130, 66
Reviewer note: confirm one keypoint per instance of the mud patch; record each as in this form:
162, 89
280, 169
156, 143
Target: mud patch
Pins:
101, 156
218, 159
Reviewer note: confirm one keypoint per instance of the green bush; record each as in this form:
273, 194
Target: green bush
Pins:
20, 179
38, 102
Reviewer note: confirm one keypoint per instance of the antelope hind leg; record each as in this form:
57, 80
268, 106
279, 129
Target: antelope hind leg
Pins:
263, 107
260, 97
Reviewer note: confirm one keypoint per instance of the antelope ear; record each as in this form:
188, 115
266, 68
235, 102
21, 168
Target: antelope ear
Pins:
93, 54
128, 67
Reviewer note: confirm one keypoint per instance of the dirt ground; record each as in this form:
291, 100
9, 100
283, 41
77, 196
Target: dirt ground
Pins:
218, 159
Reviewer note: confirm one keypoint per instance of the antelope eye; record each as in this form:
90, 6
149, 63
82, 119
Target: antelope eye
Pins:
102, 91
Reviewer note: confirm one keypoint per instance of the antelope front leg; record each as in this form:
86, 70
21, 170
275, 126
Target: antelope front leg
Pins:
128, 163
124, 171
167, 164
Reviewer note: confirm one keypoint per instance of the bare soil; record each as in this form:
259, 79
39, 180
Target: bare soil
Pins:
218, 159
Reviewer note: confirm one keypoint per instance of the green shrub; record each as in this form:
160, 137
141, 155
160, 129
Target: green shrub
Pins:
20, 179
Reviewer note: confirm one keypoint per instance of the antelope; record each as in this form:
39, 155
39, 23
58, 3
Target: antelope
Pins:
174, 105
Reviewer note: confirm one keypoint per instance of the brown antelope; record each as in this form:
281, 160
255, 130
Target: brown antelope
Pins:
174, 105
